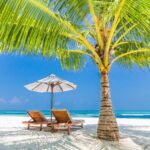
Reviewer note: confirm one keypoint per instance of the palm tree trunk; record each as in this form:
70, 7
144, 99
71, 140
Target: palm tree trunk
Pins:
107, 125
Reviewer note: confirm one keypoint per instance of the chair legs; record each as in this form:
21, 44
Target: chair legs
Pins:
69, 127
55, 129
40, 127
28, 126
68, 130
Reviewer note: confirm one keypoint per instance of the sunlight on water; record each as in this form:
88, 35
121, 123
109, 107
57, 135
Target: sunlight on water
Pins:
85, 113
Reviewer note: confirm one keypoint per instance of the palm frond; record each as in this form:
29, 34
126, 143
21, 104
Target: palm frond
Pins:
73, 10
133, 33
105, 10
140, 57
50, 27
29, 26
71, 59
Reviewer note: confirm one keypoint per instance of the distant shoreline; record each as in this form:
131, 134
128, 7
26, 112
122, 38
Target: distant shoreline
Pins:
84, 113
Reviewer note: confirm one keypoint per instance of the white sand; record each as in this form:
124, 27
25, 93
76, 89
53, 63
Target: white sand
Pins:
135, 135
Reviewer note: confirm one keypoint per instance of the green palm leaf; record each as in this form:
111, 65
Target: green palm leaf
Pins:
31, 27
46, 26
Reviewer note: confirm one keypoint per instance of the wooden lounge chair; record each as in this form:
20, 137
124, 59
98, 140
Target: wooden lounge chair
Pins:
37, 119
63, 119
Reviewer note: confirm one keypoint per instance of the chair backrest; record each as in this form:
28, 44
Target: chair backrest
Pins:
61, 115
37, 116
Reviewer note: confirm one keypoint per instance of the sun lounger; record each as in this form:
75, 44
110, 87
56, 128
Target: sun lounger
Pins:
63, 119
37, 119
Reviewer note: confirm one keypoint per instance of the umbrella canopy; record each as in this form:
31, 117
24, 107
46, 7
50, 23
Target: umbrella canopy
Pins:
51, 84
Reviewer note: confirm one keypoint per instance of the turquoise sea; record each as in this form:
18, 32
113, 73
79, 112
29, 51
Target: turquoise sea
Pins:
85, 113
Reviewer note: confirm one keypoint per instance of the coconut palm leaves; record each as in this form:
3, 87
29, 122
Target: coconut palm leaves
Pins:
32, 25
103, 30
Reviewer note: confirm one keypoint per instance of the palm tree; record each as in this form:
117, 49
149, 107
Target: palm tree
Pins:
107, 31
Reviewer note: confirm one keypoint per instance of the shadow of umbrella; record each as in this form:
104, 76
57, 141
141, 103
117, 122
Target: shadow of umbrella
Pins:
51, 84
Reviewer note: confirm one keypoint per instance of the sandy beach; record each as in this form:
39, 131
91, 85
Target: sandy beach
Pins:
135, 135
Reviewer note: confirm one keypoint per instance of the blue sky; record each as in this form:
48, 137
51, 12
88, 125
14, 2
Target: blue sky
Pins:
130, 88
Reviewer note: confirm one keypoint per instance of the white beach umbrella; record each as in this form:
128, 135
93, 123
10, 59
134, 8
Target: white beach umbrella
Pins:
51, 84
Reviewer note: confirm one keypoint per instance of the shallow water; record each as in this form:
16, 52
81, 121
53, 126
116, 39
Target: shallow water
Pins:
85, 113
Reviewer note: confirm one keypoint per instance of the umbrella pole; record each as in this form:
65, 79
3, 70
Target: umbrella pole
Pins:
52, 96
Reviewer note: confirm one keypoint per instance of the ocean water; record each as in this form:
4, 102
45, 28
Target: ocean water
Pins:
84, 113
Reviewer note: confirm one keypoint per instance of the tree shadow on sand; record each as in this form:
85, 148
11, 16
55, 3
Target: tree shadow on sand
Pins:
138, 135
80, 139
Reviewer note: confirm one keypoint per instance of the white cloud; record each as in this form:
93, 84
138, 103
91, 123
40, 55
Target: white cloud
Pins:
13, 101
58, 103
2, 100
